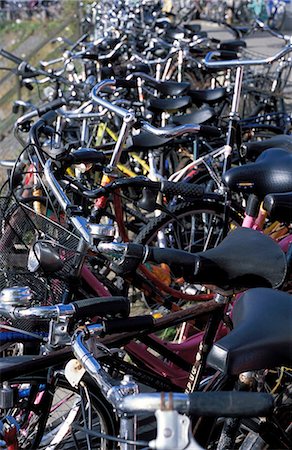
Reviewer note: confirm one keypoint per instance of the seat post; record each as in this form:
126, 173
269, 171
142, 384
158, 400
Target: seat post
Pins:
210, 333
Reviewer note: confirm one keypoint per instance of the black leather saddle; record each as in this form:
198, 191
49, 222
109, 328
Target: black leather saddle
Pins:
209, 96
200, 116
243, 260
145, 141
232, 44
254, 149
261, 338
194, 27
279, 206
160, 105
271, 173
172, 88
167, 87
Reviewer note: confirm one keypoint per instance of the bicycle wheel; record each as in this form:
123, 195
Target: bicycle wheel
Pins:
277, 16
192, 227
46, 414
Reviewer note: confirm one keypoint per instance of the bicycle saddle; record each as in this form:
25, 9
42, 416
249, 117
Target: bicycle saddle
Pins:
167, 87
270, 173
279, 206
146, 141
194, 27
261, 338
209, 96
254, 149
200, 116
169, 104
172, 88
244, 259
232, 44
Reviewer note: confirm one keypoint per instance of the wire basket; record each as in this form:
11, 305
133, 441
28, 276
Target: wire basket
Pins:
269, 79
21, 226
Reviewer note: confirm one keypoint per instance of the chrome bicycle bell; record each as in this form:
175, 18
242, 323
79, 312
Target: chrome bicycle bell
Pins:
16, 296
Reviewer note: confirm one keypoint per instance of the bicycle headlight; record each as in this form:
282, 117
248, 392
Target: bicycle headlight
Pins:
44, 256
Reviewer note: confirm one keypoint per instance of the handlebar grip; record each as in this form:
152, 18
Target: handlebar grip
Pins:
227, 55
102, 306
86, 156
10, 56
138, 323
48, 118
231, 404
54, 104
128, 84
209, 131
183, 189
171, 256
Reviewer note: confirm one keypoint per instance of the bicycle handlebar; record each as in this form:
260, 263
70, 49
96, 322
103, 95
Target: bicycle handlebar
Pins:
100, 306
213, 404
209, 63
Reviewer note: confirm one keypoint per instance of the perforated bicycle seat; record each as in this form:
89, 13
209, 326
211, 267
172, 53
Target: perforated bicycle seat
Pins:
243, 260
200, 116
254, 149
271, 173
261, 338
169, 104
209, 96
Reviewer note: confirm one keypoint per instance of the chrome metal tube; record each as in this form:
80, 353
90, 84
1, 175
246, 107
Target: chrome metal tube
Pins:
38, 312
243, 62
55, 187
171, 132
106, 104
143, 403
88, 361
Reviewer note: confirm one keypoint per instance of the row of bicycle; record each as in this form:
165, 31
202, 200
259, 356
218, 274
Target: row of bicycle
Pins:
144, 192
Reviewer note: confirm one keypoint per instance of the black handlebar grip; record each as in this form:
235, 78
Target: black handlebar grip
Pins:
183, 189
85, 156
102, 306
171, 257
10, 56
138, 323
90, 56
48, 118
128, 84
227, 55
231, 404
54, 104
208, 131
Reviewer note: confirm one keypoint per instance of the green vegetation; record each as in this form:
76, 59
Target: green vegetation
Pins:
30, 39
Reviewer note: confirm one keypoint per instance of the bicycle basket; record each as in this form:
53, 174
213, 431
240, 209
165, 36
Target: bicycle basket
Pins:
21, 226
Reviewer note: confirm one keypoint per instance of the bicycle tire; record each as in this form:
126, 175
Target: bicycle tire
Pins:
39, 424
276, 22
197, 206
